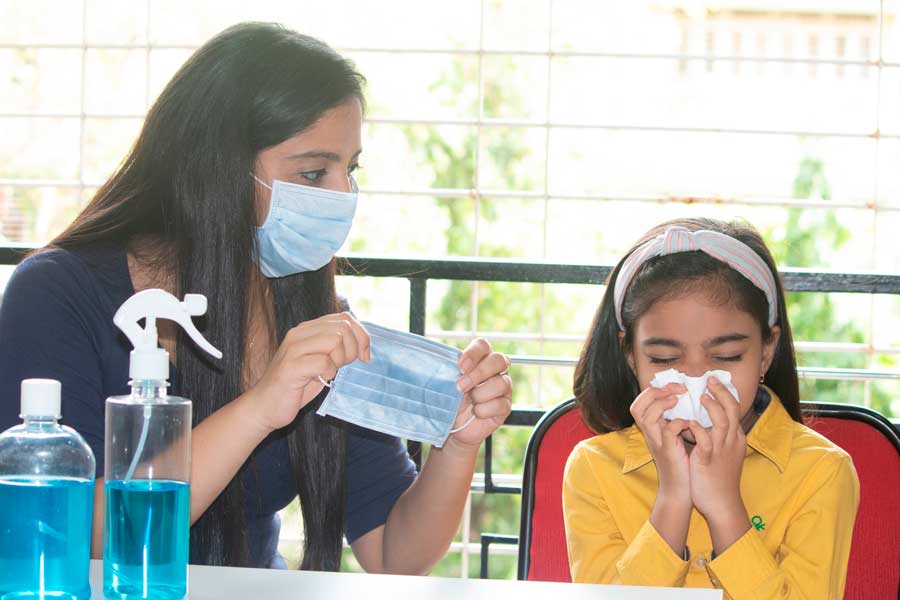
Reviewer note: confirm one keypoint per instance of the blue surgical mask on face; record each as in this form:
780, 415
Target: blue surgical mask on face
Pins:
408, 389
305, 227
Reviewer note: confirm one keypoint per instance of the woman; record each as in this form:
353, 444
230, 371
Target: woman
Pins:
207, 202
752, 502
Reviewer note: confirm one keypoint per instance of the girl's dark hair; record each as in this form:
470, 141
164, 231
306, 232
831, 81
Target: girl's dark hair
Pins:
605, 386
187, 185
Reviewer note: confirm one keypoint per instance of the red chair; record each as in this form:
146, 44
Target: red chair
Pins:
872, 441
542, 537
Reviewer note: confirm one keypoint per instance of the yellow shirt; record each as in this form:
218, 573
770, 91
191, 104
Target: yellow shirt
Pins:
800, 491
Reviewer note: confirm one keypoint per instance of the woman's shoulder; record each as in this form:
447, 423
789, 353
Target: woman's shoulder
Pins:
813, 448
47, 277
50, 264
798, 449
54, 267
604, 450
814, 459
54, 281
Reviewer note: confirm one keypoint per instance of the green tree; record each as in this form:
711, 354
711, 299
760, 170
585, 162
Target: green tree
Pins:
500, 305
807, 237
517, 307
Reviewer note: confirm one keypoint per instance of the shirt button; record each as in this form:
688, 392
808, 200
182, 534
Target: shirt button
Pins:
701, 562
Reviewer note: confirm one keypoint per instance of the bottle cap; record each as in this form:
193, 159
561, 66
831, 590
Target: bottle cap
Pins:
41, 398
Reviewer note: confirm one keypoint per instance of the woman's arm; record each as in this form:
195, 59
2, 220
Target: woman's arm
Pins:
598, 552
811, 561
219, 446
425, 519
224, 440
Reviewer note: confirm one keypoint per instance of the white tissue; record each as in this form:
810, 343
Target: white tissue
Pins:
689, 407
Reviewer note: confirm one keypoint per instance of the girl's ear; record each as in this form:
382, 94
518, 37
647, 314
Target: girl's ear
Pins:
629, 354
768, 349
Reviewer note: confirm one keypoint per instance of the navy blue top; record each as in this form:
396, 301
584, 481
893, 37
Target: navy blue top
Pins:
56, 322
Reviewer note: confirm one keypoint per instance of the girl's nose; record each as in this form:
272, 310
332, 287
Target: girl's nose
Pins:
696, 369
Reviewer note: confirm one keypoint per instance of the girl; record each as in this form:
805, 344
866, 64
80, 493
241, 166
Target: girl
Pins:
236, 188
758, 505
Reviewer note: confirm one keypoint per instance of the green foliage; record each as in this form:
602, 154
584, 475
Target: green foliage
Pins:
806, 239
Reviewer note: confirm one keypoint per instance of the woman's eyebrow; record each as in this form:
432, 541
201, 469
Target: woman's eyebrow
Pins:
724, 339
659, 341
331, 156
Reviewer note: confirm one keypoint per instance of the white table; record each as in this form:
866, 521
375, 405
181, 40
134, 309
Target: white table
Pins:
221, 583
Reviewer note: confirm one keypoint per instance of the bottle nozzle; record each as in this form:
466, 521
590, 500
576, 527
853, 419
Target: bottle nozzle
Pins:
148, 360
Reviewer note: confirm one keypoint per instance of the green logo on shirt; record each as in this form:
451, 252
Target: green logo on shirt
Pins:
757, 522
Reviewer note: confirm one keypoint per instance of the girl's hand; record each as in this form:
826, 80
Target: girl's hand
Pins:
717, 459
664, 441
310, 353
487, 395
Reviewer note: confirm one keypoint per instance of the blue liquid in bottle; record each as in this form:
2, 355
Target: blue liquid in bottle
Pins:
146, 544
45, 534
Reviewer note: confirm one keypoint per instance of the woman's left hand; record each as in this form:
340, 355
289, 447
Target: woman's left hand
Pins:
717, 458
487, 390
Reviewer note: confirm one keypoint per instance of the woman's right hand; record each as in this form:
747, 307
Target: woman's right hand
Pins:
309, 351
664, 440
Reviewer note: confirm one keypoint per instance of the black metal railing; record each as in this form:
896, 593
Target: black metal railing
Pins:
420, 271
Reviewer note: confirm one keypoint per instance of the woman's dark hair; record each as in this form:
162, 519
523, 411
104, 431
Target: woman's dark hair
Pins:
186, 183
605, 385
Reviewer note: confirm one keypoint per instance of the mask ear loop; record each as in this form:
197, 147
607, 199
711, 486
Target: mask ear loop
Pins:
263, 183
469, 422
472, 418
327, 384
466, 424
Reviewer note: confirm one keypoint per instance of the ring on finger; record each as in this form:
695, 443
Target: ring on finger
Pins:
508, 365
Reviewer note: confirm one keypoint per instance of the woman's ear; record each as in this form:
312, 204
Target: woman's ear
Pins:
768, 349
629, 353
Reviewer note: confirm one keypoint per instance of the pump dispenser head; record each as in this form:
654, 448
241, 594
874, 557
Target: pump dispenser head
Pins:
149, 362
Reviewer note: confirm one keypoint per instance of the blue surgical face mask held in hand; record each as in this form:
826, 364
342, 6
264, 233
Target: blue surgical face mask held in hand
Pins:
408, 389
305, 227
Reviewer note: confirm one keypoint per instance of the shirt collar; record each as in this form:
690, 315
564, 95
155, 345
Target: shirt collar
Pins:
637, 453
771, 436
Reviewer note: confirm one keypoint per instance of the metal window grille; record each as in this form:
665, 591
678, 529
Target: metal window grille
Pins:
714, 49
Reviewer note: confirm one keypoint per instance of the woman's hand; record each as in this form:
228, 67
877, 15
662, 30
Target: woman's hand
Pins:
487, 391
311, 352
718, 457
664, 441
671, 512
715, 466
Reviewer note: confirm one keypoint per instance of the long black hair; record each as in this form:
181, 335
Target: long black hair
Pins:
605, 385
186, 183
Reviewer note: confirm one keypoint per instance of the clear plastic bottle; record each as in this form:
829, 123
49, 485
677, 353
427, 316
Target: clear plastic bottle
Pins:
148, 460
46, 502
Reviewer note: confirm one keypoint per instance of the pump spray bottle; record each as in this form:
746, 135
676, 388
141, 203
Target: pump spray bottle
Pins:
148, 459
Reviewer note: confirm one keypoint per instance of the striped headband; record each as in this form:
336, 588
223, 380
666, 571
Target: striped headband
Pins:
734, 253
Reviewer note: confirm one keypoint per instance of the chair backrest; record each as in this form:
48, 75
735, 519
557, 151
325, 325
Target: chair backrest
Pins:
873, 443
542, 537
870, 439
